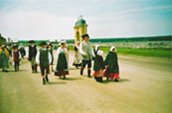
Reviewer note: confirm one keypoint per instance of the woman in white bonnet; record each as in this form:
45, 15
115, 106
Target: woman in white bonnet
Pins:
111, 62
62, 61
98, 66
96, 49
78, 59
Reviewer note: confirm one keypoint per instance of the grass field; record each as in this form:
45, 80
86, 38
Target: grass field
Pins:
163, 53
166, 53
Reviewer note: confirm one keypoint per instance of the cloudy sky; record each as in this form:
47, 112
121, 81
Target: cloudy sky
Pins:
54, 19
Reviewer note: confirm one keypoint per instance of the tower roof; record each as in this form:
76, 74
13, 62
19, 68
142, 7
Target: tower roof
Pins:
80, 22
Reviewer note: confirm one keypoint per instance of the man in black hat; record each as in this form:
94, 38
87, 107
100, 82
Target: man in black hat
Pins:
32, 51
44, 58
87, 53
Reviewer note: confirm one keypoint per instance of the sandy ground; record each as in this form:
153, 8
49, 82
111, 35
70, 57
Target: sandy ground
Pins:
144, 87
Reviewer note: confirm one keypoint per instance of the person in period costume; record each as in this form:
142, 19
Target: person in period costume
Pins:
87, 53
78, 59
111, 62
44, 59
4, 58
32, 51
62, 61
16, 57
22, 50
9, 48
96, 49
51, 50
99, 66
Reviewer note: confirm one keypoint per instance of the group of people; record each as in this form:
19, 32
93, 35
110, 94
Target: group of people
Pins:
44, 58
16, 53
84, 54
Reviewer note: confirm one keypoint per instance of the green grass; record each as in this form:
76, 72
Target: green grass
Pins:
164, 53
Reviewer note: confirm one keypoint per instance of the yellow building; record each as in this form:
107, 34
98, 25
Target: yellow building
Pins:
80, 29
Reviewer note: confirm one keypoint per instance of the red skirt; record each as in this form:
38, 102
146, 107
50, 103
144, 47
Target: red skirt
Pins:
98, 73
112, 76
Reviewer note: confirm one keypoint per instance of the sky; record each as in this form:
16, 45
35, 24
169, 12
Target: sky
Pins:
55, 19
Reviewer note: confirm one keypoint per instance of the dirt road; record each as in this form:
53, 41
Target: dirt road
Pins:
144, 87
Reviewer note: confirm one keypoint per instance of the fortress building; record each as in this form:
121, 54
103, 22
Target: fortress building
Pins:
80, 29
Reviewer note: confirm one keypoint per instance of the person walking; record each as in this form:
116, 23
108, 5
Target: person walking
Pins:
51, 50
112, 68
77, 60
22, 50
99, 66
44, 59
87, 53
32, 51
4, 56
16, 57
62, 61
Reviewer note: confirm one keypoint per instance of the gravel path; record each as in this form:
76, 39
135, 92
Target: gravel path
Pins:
144, 87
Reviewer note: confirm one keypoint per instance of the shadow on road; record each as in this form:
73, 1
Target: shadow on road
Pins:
112, 81
54, 83
124, 80
71, 79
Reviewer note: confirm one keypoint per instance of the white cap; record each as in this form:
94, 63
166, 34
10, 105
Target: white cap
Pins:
100, 52
96, 47
112, 48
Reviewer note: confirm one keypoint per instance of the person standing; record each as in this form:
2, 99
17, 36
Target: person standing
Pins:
32, 51
96, 49
77, 60
51, 50
99, 66
43, 59
87, 53
22, 50
111, 62
62, 61
16, 57
4, 56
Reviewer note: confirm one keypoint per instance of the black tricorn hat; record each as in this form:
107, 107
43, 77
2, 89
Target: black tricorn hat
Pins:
85, 35
31, 41
43, 43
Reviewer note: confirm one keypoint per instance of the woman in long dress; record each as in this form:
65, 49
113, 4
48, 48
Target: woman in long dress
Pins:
111, 62
4, 57
62, 61
78, 58
98, 66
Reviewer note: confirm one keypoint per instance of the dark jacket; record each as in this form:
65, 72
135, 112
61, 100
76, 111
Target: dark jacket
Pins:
32, 52
112, 62
98, 63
